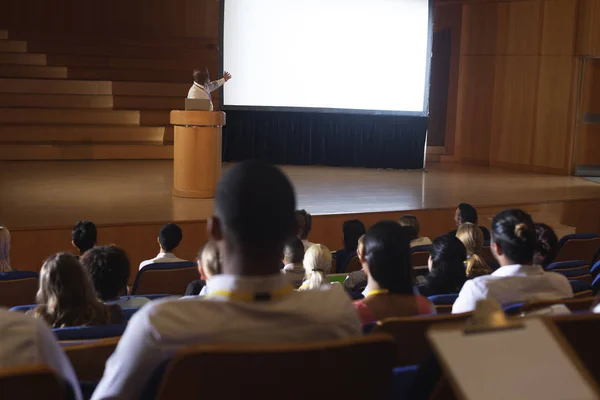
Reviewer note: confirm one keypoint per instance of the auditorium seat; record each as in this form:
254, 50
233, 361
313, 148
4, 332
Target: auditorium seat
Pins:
581, 288
18, 288
409, 334
354, 265
581, 274
166, 278
85, 333
420, 255
271, 371
568, 265
595, 269
88, 360
32, 382
443, 302
574, 305
578, 246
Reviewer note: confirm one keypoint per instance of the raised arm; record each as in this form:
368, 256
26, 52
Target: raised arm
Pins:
214, 85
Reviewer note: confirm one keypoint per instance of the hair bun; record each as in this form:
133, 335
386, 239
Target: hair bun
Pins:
520, 230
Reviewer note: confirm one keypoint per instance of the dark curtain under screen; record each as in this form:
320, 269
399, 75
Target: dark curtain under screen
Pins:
307, 138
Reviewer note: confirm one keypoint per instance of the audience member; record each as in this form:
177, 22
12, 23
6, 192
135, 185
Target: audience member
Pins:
467, 213
209, 265
546, 248
513, 245
27, 341
4, 250
66, 296
352, 230
169, 238
446, 267
357, 277
387, 261
304, 222
472, 237
293, 257
412, 222
251, 302
84, 236
109, 268
317, 264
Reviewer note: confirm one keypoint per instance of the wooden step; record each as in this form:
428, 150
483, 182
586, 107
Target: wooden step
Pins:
87, 152
32, 71
49, 86
23, 58
13, 46
131, 74
148, 102
74, 60
3, 34
36, 100
48, 134
26, 116
190, 43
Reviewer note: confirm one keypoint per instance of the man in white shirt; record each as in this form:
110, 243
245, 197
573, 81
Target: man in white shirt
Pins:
27, 341
203, 87
169, 238
513, 245
251, 302
293, 255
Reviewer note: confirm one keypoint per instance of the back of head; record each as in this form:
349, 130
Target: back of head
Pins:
471, 236
317, 264
108, 267
353, 229
84, 235
546, 248
514, 233
4, 250
169, 237
411, 221
201, 76
210, 259
255, 203
293, 252
304, 223
466, 213
66, 293
387, 253
448, 256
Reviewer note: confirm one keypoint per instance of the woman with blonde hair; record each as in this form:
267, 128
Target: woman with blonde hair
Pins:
317, 264
472, 237
66, 296
4, 250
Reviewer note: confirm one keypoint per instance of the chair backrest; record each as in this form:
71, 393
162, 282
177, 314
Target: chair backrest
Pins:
582, 274
409, 333
23, 309
585, 277
579, 246
574, 305
580, 286
18, 288
420, 255
166, 278
271, 371
581, 332
89, 332
354, 265
31, 382
443, 302
128, 313
595, 269
568, 265
88, 360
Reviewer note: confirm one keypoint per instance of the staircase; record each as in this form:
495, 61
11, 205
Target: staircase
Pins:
81, 98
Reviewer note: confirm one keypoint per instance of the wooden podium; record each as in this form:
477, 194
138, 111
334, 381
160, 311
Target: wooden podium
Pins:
197, 159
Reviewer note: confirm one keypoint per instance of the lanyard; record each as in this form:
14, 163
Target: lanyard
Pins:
253, 296
378, 291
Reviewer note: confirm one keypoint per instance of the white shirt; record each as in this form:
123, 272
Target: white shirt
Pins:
513, 283
422, 241
130, 302
295, 272
161, 258
162, 327
198, 91
26, 341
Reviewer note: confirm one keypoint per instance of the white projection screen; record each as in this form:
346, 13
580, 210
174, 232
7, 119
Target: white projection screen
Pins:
327, 55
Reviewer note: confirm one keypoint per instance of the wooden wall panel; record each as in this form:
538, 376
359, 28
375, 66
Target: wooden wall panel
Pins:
518, 27
588, 30
514, 109
480, 28
559, 27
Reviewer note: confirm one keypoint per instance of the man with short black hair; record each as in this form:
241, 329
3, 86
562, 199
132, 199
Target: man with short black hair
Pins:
293, 255
169, 238
467, 213
84, 236
109, 268
251, 302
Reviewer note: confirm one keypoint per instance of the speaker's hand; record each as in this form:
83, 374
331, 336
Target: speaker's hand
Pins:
226, 76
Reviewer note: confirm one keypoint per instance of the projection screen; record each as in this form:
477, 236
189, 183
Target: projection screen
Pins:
327, 55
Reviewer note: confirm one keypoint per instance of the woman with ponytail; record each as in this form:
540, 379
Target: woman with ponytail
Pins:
317, 264
446, 267
513, 245
387, 261
472, 237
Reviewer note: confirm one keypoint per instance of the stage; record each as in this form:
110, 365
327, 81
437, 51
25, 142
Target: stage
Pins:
130, 200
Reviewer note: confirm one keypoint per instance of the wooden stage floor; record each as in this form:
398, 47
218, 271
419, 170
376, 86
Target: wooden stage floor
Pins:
56, 194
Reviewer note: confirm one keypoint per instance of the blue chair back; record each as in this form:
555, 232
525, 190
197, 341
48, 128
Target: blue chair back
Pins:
166, 278
568, 265
89, 332
513, 308
596, 284
578, 246
581, 288
18, 288
582, 274
443, 299
128, 313
595, 269
23, 309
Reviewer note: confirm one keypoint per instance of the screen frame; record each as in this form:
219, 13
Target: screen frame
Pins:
427, 88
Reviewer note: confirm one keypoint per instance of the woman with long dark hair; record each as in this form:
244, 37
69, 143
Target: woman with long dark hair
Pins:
447, 272
513, 245
352, 230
